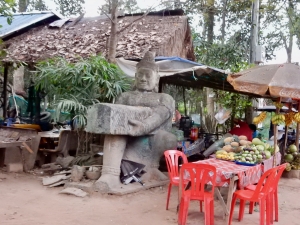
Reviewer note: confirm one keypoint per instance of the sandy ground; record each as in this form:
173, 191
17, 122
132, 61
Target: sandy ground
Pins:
24, 201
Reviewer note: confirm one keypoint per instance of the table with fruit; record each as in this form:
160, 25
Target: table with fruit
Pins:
244, 152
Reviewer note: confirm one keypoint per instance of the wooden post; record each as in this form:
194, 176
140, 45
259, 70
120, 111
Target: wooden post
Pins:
5, 76
297, 130
184, 101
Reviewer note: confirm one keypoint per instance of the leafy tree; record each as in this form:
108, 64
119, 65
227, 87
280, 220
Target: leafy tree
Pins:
226, 56
70, 7
7, 7
72, 87
282, 16
37, 5
30, 5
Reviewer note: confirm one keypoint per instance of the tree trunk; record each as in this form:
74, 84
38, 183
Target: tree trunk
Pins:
224, 14
289, 47
210, 39
113, 38
210, 21
23, 5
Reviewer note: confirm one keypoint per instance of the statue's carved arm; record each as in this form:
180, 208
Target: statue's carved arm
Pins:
160, 115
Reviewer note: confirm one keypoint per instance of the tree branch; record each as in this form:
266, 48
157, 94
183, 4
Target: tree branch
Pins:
109, 17
137, 19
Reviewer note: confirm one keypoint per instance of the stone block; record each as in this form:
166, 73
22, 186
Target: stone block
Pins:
105, 118
14, 167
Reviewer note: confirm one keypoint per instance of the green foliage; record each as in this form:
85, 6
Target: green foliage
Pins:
223, 56
7, 7
39, 5
226, 56
72, 87
70, 7
128, 6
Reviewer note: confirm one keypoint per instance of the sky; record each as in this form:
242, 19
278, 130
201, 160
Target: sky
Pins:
91, 8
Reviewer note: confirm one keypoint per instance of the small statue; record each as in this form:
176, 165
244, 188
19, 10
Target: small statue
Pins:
146, 140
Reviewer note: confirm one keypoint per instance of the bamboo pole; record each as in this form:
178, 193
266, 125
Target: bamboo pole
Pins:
275, 134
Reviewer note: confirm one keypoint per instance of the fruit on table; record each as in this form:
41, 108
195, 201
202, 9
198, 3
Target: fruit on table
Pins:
228, 140
225, 155
235, 144
260, 147
243, 137
268, 154
256, 141
227, 148
249, 155
243, 142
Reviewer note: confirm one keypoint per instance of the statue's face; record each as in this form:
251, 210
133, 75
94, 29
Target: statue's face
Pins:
146, 79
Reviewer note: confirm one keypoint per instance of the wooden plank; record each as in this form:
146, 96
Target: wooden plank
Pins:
231, 190
10, 144
221, 199
27, 147
5, 77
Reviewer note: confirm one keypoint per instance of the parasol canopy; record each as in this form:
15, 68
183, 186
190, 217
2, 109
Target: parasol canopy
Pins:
272, 108
275, 80
131, 171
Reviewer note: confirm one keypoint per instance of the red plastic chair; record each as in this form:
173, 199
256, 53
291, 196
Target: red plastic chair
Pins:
260, 195
199, 176
172, 160
273, 193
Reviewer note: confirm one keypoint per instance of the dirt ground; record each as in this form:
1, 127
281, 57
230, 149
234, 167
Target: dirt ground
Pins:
24, 201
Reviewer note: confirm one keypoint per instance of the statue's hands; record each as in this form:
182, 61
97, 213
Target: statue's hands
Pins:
137, 128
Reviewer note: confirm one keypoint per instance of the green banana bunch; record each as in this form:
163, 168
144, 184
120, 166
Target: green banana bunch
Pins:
278, 119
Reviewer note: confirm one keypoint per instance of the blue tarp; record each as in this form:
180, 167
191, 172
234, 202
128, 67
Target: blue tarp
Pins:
175, 58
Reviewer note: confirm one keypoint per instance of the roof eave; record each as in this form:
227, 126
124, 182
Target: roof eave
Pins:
22, 26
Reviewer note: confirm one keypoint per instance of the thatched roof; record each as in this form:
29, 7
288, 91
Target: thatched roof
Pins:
165, 32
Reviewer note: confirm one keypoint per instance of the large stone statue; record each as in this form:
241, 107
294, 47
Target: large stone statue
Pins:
137, 127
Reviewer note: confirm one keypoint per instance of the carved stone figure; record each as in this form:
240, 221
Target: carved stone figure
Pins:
136, 127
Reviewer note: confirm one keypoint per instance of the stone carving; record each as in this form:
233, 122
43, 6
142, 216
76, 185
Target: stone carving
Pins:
137, 127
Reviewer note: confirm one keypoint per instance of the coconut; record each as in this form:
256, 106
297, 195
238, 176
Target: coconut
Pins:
289, 158
292, 148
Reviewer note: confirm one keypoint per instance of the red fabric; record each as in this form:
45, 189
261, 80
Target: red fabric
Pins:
242, 130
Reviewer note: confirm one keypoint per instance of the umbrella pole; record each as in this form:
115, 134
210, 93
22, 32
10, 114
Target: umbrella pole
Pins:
275, 135
297, 130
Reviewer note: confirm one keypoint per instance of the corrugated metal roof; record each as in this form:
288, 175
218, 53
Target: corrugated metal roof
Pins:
21, 21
